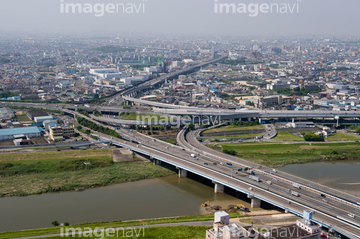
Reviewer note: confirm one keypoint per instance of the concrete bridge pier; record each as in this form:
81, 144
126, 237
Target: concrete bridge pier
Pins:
293, 120
182, 173
255, 202
249, 119
260, 121
337, 120
157, 162
219, 188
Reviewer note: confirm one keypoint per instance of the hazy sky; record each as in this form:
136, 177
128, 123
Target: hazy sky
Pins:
324, 17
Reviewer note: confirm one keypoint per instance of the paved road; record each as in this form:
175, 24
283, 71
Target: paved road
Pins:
275, 194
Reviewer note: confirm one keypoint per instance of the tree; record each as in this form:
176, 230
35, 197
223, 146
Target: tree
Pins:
352, 127
231, 152
55, 223
314, 137
97, 113
66, 224
251, 103
191, 126
358, 129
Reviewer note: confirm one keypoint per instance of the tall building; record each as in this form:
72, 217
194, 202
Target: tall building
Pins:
213, 53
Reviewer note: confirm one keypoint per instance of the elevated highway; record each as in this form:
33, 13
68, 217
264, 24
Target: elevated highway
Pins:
213, 167
152, 83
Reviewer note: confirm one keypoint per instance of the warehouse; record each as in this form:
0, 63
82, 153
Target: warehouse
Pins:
30, 132
41, 119
36, 113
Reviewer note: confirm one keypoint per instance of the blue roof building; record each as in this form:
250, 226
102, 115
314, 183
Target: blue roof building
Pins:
31, 132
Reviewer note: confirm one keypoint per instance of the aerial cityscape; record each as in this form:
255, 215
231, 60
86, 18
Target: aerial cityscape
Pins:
187, 119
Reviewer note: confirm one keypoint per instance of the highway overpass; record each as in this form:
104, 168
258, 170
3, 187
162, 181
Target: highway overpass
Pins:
152, 83
214, 167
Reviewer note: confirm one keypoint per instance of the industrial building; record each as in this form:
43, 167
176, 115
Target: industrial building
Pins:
41, 119
108, 73
6, 114
224, 229
30, 132
58, 133
296, 125
21, 140
36, 113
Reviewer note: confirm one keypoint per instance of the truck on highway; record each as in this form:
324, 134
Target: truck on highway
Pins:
88, 106
296, 185
193, 155
257, 179
250, 172
230, 164
296, 194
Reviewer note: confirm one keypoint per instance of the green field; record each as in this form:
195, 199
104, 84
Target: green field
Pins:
116, 224
177, 232
230, 137
243, 135
230, 128
35, 173
141, 116
22, 118
342, 137
280, 154
171, 141
287, 136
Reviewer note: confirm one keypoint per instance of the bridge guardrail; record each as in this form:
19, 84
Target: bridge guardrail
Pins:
232, 186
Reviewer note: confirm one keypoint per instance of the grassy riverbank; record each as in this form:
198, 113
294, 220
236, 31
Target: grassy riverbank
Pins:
175, 232
35, 173
287, 136
280, 154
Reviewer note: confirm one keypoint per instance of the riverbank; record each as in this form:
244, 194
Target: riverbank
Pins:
23, 174
127, 224
281, 154
177, 227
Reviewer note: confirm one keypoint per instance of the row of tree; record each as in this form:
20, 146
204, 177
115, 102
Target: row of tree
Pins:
353, 127
244, 123
314, 137
97, 113
83, 112
98, 128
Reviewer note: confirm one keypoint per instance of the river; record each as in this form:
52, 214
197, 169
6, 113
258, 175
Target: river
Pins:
344, 175
153, 198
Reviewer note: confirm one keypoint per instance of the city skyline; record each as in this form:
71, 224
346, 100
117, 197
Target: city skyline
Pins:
308, 18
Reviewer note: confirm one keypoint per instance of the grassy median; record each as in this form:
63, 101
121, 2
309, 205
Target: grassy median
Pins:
280, 154
230, 128
35, 173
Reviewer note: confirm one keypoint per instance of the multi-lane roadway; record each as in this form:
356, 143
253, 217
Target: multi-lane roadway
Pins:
274, 188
